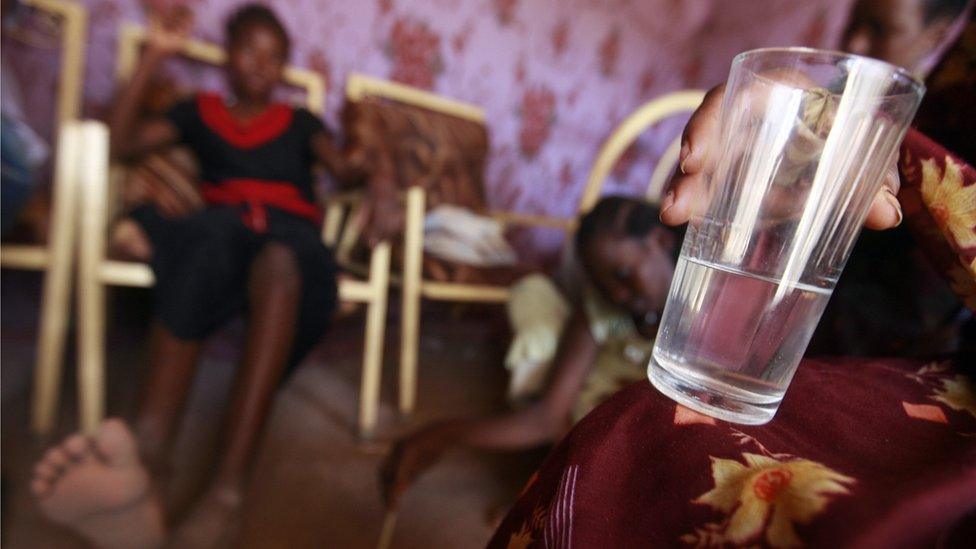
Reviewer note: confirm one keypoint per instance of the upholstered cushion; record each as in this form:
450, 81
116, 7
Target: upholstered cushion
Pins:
938, 196
444, 154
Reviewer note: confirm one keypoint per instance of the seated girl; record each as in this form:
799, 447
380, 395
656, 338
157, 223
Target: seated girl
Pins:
255, 248
628, 258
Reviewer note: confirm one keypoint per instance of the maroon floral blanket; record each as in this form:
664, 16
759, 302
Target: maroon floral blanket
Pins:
865, 453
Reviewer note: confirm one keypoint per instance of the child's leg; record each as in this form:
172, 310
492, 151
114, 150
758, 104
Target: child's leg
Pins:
274, 293
172, 364
200, 262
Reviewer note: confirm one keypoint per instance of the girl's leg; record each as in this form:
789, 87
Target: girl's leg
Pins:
274, 292
172, 365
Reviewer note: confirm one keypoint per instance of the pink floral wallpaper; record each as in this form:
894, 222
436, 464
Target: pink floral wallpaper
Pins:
555, 76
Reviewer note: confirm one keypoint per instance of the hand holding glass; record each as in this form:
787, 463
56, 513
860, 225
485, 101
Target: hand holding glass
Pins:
805, 140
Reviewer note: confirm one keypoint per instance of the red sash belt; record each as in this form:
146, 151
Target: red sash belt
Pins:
256, 194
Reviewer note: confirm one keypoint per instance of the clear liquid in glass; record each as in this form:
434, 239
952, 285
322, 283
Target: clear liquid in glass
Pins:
730, 341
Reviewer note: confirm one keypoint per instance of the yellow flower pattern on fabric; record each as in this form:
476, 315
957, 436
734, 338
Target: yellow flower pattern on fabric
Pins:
957, 393
766, 494
952, 205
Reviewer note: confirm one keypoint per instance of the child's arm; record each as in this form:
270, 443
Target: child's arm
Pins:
346, 170
130, 137
542, 422
385, 213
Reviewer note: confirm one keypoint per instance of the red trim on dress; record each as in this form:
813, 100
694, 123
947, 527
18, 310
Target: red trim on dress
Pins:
257, 194
266, 126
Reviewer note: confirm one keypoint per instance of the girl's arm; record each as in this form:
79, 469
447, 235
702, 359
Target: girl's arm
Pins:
345, 170
543, 421
385, 215
130, 137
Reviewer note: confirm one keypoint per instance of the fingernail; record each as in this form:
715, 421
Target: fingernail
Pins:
667, 203
683, 156
893, 200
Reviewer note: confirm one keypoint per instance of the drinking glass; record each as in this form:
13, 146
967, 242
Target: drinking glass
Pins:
806, 137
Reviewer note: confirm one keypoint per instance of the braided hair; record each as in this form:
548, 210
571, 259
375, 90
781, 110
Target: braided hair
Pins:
621, 217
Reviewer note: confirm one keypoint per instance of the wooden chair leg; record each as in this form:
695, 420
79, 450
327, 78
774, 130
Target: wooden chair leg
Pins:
413, 249
369, 397
91, 290
55, 297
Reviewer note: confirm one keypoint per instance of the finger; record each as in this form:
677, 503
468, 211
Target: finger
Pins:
163, 202
885, 212
676, 208
892, 180
679, 201
174, 205
702, 128
699, 132
149, 179
168, 211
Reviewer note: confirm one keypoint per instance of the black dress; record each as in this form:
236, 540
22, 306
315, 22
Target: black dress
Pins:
257, 182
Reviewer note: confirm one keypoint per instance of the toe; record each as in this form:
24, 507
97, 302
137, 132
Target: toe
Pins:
77, 447
40, 488
57, 458
115, 443
46, 471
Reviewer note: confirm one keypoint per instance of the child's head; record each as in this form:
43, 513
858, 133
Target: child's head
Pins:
257, 51
627, 253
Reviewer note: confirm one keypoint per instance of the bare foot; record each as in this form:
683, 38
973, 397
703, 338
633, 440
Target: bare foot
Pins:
97, 487
213, 522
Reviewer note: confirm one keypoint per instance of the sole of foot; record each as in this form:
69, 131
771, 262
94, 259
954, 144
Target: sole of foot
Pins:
96, 486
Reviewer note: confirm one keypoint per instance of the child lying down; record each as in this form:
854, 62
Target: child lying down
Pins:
627, 258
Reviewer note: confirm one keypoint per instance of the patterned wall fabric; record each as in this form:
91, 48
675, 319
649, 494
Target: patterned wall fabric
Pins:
555, 76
